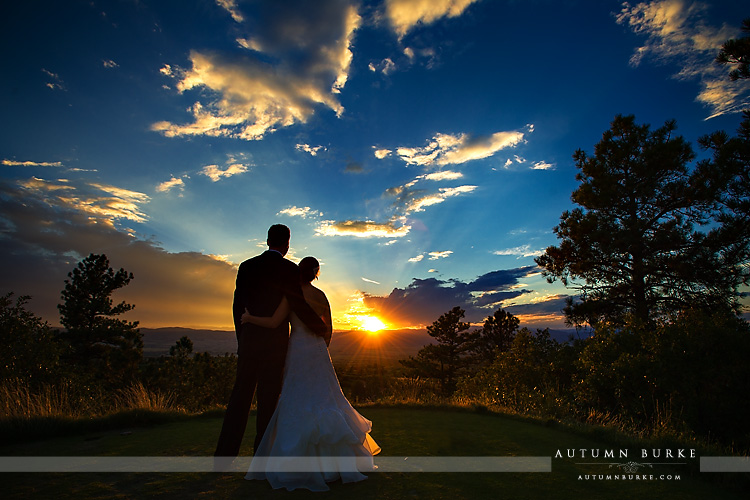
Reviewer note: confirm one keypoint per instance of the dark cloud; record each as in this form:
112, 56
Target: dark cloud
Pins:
425, 300
42, 238
354, 168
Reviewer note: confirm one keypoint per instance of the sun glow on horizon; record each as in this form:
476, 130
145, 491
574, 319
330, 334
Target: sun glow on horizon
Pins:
372, 324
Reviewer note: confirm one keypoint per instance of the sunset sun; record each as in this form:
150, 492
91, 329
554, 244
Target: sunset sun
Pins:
372, 324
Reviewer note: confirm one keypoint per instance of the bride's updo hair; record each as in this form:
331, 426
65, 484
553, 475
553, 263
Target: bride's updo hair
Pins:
308, 269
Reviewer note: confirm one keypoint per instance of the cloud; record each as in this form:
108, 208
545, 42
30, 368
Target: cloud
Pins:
45, 234
424, 300
56, 83
215, 173
364, 229
297, 60
443, 176
311, 150
381, 153
104, 203
542, 312
354, 168
440, 255
676, 33
447, 149
415, 200
542, 165
13, 163
231, 7
172, 183
167, 70
386, 66
432, 256
404, 15
520, 251
303, 212
407, 200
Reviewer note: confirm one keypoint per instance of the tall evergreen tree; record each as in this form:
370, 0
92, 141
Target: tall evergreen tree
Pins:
496, 336
103, 347
633, 249
729, 167
445, 360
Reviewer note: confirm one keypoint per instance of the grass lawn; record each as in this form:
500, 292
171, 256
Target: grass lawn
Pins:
399, 431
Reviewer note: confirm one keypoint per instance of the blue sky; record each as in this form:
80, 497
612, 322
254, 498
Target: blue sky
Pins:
421, 150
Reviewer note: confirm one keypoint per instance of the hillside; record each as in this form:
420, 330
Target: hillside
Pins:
346, 346
387, 345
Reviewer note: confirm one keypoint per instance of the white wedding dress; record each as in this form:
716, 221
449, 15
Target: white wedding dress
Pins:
314, 436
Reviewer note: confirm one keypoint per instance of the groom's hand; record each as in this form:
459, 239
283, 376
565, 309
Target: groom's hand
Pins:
245, 317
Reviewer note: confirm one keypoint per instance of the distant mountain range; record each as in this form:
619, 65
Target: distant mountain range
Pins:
352, 346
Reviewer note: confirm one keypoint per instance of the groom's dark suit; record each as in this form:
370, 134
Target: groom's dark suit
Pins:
261, 283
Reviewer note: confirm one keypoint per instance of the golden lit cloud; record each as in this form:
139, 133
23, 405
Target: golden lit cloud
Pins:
231, 7
403, 15
120, 204
215, 173
13, 163
311, 150
362, 229
447, 149
443, 176
677, 34
172, 183
252, 97
382, 153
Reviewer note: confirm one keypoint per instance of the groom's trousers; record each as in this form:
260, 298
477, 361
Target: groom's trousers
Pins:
258, 365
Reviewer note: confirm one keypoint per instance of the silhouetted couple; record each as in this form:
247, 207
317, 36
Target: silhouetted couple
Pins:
307, 433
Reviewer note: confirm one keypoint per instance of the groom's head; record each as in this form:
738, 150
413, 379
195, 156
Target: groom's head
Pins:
278, 238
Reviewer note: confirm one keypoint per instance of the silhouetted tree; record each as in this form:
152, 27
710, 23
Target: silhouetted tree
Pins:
633, 249
496, 336
736, 51
182, 349
29, 350
446, 359
103, 347
729, 167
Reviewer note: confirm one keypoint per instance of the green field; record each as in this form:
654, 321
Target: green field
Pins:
400, 432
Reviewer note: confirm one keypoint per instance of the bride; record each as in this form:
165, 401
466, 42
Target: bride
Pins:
314, 436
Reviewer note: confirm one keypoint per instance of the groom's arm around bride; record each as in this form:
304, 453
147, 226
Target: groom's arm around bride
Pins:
262, 282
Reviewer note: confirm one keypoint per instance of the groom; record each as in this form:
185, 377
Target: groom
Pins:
261, 284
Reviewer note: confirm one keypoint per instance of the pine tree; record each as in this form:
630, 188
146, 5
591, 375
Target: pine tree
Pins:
445, 360
103, 347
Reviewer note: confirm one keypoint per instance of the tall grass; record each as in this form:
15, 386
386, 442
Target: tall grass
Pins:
67, 399
68, 408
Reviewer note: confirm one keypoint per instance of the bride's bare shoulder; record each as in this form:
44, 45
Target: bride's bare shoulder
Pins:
315, 295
